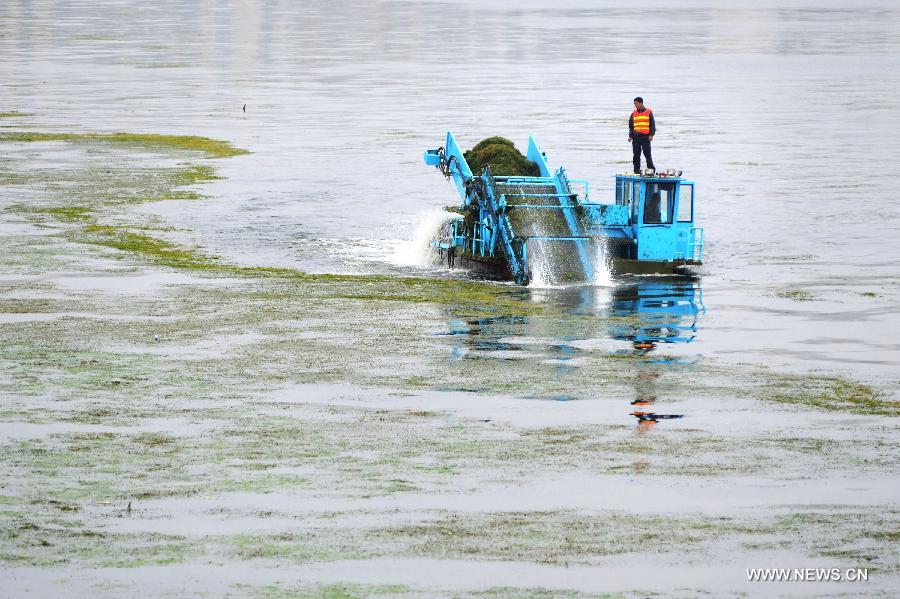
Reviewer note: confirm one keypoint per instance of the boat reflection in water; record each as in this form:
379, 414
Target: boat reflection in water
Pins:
646, 312
666, 312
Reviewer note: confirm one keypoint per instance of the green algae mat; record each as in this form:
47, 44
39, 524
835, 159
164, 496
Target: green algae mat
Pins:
163, 408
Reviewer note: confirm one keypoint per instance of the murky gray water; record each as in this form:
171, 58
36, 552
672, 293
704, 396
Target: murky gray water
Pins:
786, 116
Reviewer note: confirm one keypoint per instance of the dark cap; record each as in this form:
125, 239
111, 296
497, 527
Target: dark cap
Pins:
639, 99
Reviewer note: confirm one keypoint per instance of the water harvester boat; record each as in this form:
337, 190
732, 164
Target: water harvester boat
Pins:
519, 227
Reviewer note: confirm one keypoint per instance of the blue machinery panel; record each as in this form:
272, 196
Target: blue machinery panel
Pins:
648, 228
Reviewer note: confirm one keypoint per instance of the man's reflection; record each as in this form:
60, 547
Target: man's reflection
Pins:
665, 312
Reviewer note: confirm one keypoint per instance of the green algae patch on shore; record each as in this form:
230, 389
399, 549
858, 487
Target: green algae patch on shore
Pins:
213, 148
40, 541
798, 295
192, 174
330, 591
154, 249
361, 591
69, 213
14, 114
561, 537
830, 393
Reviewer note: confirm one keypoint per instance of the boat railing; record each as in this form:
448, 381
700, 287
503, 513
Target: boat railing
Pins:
695, 247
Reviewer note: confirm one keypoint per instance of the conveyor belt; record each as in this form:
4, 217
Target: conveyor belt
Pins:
549, 224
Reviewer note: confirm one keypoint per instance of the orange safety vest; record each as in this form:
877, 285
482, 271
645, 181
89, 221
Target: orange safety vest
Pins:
641, 121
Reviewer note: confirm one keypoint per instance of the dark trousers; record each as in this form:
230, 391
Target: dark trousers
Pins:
638, 143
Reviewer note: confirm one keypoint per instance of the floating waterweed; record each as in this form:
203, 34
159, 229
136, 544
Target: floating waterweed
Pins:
501, 155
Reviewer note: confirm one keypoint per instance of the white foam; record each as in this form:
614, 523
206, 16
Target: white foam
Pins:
418, 250
600, 264
541, 268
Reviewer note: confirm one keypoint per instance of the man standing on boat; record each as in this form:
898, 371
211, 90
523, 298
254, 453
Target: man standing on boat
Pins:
641, 129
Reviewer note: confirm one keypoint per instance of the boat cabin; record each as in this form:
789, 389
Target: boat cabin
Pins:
660, 209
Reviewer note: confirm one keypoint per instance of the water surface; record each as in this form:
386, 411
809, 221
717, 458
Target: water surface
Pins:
786, 116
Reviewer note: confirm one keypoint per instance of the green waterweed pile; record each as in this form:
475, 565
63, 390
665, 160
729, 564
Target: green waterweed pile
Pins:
501, 155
